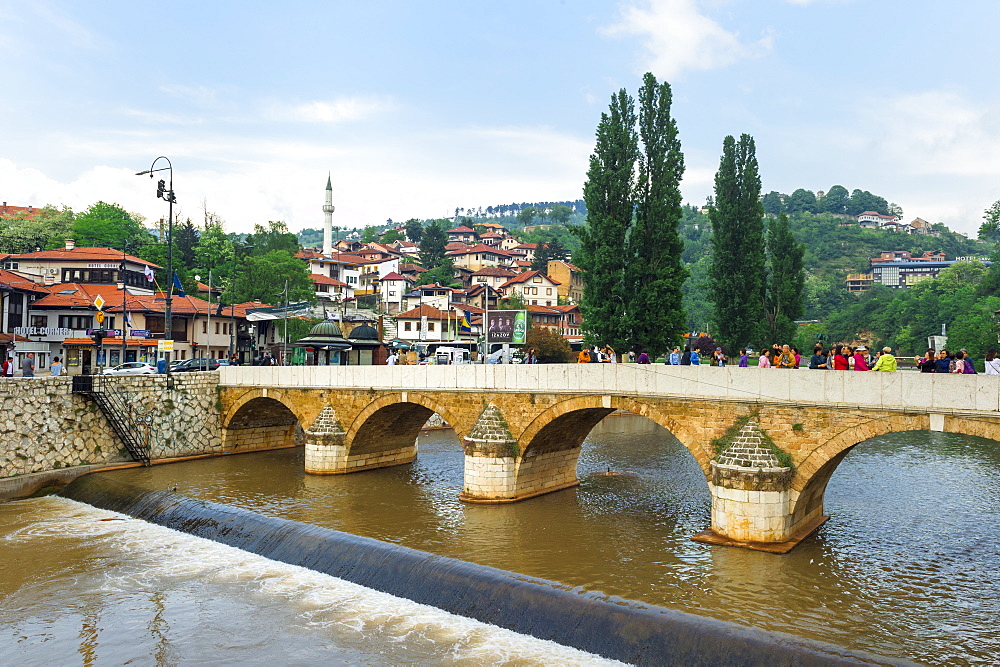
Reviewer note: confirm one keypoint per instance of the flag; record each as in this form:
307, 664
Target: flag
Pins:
148, 273
465, 322
128, 320
177, 284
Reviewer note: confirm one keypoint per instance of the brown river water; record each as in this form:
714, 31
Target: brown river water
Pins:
908, 566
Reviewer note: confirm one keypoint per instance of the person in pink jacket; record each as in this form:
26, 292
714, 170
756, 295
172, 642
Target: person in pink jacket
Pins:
860, 358
764, 361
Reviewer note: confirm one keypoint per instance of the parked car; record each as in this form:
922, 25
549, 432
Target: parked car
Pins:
131, 368
191, 365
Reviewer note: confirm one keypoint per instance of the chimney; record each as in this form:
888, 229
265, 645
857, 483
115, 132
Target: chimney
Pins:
70, 244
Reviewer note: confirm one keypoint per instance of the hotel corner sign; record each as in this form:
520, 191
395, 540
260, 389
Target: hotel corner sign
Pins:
42, 331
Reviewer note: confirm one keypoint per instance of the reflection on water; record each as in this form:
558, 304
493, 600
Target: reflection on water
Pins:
906, 567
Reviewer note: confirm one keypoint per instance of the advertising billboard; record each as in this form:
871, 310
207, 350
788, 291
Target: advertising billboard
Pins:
507, 326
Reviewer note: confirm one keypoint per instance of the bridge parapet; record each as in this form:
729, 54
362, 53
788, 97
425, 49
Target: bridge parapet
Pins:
906, 391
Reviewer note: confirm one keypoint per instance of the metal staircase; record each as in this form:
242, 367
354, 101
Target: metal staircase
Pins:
131, 426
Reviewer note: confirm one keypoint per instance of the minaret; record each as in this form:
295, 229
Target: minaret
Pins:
328, 215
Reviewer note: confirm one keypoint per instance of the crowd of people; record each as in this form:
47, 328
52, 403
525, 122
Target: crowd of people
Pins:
837, 358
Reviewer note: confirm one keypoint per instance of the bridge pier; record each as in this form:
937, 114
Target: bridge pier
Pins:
751, 496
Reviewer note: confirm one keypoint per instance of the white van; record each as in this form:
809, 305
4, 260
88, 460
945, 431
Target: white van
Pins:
446, 356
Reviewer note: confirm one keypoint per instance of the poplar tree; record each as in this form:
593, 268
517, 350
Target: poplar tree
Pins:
654, 274
608, 193
737, 273
785, 280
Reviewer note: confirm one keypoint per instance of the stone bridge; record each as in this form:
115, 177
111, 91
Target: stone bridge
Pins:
767, 441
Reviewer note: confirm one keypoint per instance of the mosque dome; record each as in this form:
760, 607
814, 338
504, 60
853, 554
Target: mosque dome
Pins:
364, 332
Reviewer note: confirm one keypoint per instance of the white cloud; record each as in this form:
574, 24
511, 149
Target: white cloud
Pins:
679, 37
326, 111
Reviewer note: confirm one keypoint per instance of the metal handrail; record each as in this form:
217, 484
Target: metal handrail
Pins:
119, 412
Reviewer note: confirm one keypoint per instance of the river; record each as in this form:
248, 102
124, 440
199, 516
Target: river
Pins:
907, 567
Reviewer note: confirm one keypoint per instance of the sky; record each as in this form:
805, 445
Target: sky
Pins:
416, 108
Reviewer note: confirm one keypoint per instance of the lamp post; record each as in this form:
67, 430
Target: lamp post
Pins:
284, 338
232, 306
164, 191
208, 338
121, 279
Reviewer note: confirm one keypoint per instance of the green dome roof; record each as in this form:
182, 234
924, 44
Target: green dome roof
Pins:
325, 328
364, 332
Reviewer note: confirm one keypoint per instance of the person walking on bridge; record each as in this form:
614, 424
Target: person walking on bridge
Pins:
886, 362
28, 366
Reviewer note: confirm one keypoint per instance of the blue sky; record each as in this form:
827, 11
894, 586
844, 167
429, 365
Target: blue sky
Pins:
419, 107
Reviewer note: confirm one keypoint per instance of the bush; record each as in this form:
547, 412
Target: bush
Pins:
550, 347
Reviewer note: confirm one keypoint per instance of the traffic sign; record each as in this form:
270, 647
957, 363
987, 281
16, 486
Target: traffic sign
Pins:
100, 315
99, 303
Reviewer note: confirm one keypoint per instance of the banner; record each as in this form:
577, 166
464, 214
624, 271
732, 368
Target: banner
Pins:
300, 309
507, 326
423, 327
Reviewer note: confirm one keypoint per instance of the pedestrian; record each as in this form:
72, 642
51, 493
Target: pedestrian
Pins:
609, 355
886, 362
785, 358
943, 362
763, 361
675, 356
818, 360
584, 356
234, 360
992, 363
595, 355
718, 358
798, 357
744, 358
643, 358
860, 358
970, 367
694, 358
7, 368
28, 365
393, 359
266, 360
686, 357
55, 368
928, 362
840, 362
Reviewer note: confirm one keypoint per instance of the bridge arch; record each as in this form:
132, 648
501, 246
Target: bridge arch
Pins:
566, 424
392, 422
259, 421
815, 471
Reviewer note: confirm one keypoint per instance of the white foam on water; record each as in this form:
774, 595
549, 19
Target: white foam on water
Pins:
327, 606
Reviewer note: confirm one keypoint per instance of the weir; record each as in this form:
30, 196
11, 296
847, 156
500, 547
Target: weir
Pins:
604, 625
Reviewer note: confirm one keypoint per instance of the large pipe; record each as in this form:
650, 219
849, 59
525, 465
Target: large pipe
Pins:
608, 626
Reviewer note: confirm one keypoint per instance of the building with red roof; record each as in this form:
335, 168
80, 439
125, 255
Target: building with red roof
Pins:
535, 287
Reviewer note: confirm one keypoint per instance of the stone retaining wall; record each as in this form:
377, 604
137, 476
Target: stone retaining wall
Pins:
44, 426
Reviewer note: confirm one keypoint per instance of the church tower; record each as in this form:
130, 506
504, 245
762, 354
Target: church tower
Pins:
328, 218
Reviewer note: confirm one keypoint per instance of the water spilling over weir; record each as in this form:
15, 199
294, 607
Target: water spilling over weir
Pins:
606, 626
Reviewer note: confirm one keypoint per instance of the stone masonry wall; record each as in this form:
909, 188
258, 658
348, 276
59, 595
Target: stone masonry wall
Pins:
46, 427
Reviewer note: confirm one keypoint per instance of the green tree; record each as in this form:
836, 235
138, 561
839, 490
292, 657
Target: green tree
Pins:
215, 252
273, 237
609, 194
107, 224
559, 213
801, 201
414, 230
48, 227
262, 277
785, 281
550, 347
737, 272
432, 245
835, 200
774, 202
654, 275
392, 236
370, 235
526, 215
186, 236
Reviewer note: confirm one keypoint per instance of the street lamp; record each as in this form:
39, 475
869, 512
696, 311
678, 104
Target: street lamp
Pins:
208, 339
284, 339
164, 191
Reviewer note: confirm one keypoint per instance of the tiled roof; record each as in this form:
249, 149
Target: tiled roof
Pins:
460, 230
394, 276
480, 247
320, 279
527, 246
424, 310
495, 271
412, 267
526, 276
83, 255
7, 210
13, 281
523, 263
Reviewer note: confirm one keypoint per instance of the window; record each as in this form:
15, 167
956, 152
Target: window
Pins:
392, 293
407, 327
216, 327
536, 279
548, 290
430, 326
39, 321
534, 303
204, 327
10, 266
80, 321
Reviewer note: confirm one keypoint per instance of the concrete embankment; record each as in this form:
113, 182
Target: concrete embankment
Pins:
612, 627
